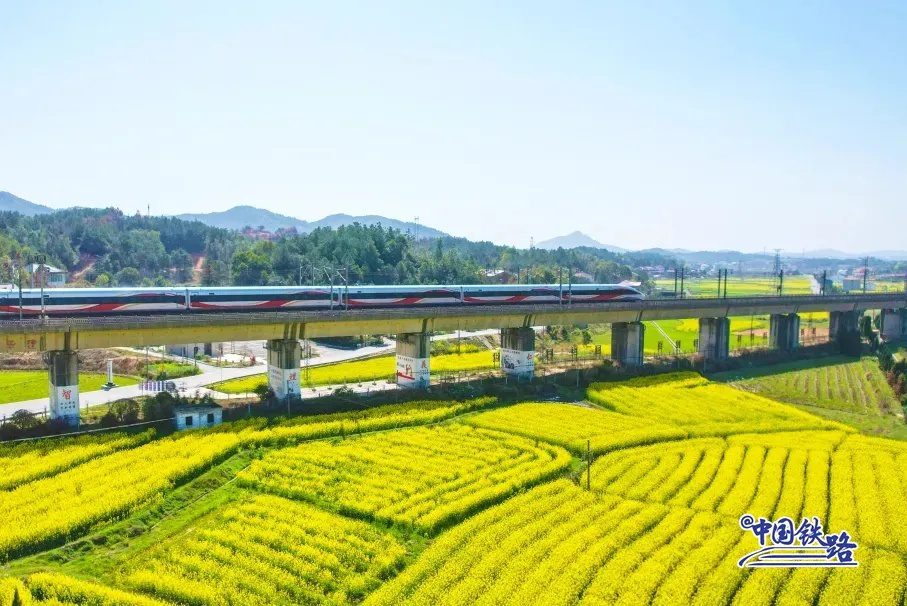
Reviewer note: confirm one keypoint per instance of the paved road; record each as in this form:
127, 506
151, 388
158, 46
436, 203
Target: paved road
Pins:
212, 374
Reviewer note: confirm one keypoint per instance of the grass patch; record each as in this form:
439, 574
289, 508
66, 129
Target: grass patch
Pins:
171, 370
18, 385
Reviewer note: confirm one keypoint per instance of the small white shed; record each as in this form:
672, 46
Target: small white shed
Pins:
193, 417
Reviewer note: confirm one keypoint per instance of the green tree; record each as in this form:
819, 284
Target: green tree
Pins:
181, 262
128, 276
251, 268
214, 273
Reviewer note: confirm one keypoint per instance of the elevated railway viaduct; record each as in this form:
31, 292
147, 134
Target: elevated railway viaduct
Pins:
59, 338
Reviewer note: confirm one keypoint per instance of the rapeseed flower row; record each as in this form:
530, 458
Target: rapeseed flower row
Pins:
571, 426
702, 408
269, 550
762, 474
51, 510
28, 461
56, 508
559, 544
52, 589
556, 544
425, 477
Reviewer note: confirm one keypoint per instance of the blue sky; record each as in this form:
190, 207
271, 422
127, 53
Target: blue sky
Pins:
699, 125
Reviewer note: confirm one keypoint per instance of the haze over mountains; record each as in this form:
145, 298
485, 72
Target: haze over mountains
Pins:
242, 216
576, 239
9, 202
238, 217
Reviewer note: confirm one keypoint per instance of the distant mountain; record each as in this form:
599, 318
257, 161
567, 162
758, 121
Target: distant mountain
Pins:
239, 217
831, 253
707, 256
891, 255
13, 203
576, 239
417, 229
242, 216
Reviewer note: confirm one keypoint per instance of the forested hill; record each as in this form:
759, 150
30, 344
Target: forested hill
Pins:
104, 247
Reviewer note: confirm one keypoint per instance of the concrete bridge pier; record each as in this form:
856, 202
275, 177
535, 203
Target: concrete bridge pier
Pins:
413, 352
518, 352
283, 367
841, 322
894, 324
190, 350
627, 341
714, 338
63, 370
784, 332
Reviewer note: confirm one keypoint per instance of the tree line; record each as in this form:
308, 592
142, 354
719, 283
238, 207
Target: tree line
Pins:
114, 249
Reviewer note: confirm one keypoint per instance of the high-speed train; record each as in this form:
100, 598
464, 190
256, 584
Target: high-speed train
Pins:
118, 301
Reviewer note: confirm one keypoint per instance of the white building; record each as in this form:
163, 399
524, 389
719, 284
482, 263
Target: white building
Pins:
53, 277
193, 417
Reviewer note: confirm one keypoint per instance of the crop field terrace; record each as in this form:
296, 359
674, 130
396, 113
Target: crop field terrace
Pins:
457, 503
837, 388
738, 286
747, 332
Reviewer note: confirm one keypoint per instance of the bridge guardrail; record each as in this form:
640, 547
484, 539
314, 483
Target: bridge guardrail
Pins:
172, 320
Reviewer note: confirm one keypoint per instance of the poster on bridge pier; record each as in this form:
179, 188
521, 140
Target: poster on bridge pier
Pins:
64, 402
413, 372
284, 382
516, 362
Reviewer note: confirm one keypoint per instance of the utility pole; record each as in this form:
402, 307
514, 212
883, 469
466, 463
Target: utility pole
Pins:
560, 284
682, 272
19, 280
781, 283
865, 273
675, 281
346, 286
41, 261
569, 286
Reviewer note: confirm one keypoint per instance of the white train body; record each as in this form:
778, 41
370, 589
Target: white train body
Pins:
118, 301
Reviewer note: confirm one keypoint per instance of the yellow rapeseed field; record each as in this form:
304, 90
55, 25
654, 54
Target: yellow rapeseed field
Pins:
50, 510
423, 476
31, 460
269, 550
702, 408
407, 504
559, 544
572, 426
